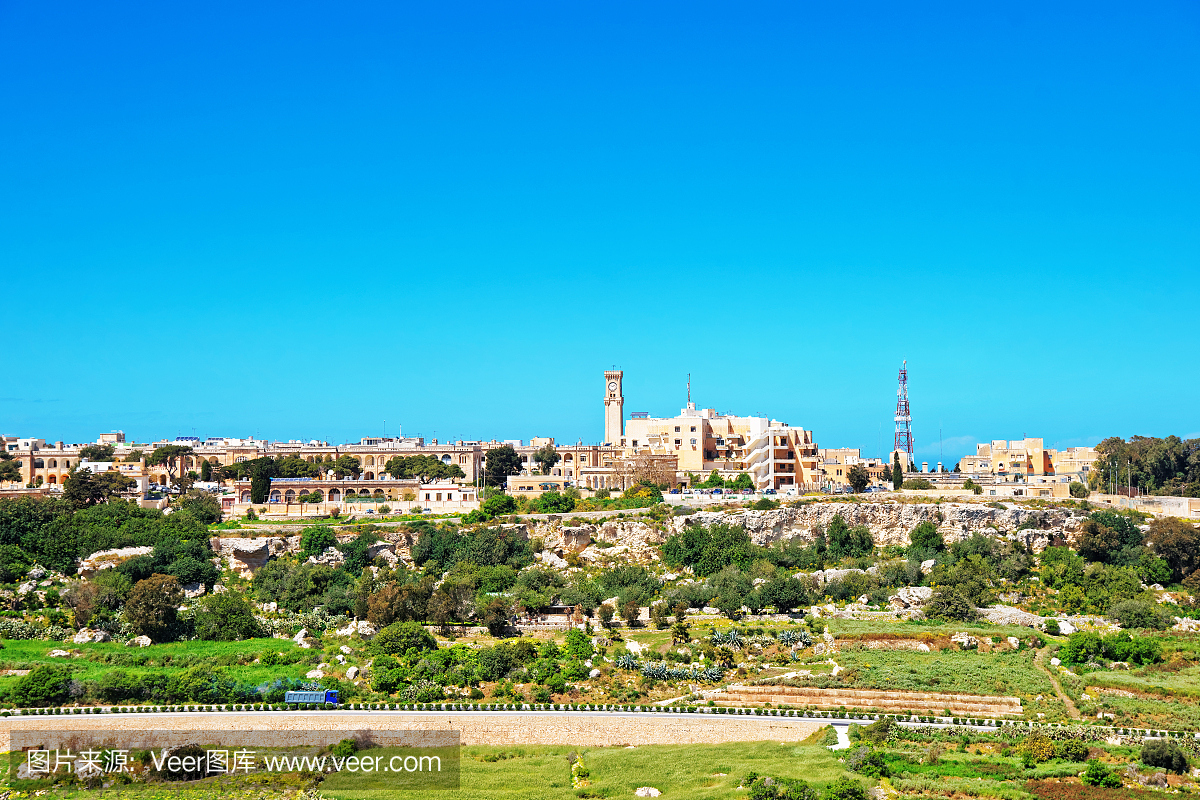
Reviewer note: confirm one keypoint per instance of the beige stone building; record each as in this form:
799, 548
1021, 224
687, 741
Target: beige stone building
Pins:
1021, 459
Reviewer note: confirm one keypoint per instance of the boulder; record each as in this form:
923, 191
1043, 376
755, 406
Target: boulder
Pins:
345, 650
363, 628
27, 587
247, 556
1056, 662
548, 558
314, 673
928, 565
107, 559
594, 673
1014, 642
59, 654
1065, 628
352, 673
332, 557
911, 597
647, 791
139, 641
193, 590
301, 639
341, 659
89, 636
270, 608
965, 641
36, 573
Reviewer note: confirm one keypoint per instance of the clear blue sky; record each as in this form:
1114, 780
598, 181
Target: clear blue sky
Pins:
299, 219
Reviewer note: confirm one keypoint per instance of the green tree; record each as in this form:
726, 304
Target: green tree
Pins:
606, 612
578, 645
858, 477
206, 470
1177, 542
83, 488
400, 637
344, 465
498, 504
553, 503
1078, 489
499, 463
204, 507
10, 471
546, 457
951, 605
169, 456
226, 617
151, 609
1165, 755
496, 615
423, 468
846, 542
316, 540
927, 537
97, 452
897, 472
785, 593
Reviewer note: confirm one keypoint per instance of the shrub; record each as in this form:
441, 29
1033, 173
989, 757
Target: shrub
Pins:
1097, 774
844, 789
1140, 614
397, 638
1165, 754
43, 686
866, 761
950, 604
1071, 750
1078, 489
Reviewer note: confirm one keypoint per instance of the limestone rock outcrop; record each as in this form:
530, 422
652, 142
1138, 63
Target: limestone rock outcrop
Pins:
247, 556
107, 559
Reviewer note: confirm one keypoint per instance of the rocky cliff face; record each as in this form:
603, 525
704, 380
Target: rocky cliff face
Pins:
889, 523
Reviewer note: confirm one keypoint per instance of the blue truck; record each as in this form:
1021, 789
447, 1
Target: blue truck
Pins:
326, 697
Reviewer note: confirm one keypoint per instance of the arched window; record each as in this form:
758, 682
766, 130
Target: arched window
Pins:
39, 463
275, 496
245, 497
54, 462
334, 495
289, 496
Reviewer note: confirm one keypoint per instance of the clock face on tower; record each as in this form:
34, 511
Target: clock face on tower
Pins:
612, 386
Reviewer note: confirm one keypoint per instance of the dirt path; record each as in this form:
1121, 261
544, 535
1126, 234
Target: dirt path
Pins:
1040, 661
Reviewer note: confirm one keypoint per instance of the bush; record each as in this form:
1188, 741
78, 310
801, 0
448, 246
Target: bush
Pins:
226, 617
1071, 750
866, 761
1140, 614
396, 639
951, 605
844, 789
43, 686
316, 540
1164, 754
1097, 774
916, 483
1078, 489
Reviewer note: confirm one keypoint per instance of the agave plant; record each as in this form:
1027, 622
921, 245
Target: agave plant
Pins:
718, 638
787, 637
627, 661
734, 639
803, 638
656, 670
714, 674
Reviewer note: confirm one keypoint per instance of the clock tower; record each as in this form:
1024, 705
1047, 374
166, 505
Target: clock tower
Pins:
614, 407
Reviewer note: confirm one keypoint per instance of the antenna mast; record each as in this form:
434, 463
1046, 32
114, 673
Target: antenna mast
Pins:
904, 440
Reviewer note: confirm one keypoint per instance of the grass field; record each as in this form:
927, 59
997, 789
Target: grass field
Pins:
692, 771
542, 773
98, 659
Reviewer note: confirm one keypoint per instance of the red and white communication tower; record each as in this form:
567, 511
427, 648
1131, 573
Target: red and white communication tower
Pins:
904, 440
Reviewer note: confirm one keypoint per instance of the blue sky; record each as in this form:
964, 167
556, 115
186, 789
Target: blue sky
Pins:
298, 220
